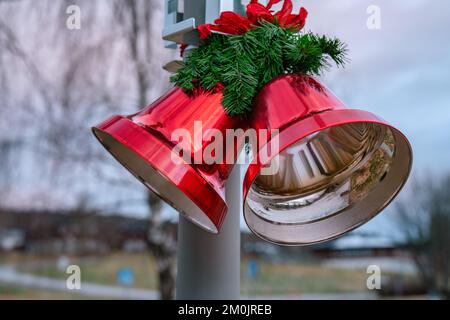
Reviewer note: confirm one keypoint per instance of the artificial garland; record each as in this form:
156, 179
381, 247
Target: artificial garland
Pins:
242, 54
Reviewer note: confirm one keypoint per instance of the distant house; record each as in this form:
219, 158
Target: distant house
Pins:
49, 232
360, 245
11, 239
359, 251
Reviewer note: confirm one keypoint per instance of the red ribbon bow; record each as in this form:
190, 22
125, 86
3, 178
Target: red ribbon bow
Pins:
232, 23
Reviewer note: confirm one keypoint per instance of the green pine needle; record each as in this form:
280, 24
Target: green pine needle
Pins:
243, 64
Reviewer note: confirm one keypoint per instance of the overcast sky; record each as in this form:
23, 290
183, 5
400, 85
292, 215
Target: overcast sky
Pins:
401, 72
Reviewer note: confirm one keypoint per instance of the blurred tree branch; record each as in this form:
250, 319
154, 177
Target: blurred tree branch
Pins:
136, 17
424, 219
78, 77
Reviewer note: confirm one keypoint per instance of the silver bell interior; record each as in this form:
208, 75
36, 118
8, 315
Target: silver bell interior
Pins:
327, 184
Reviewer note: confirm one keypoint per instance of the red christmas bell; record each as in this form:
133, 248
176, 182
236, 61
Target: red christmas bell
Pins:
172, 166
329, 170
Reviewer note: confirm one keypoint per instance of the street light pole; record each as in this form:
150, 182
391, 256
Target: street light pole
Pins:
208, 264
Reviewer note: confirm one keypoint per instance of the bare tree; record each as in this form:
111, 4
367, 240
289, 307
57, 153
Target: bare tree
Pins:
161, 241
74, 79
136, 17
424, 219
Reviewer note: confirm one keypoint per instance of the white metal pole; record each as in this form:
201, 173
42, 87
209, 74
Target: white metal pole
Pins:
208, 264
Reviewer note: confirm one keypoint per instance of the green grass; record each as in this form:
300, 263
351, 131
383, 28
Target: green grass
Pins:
285, 279
273, 279
14, 292
103, 269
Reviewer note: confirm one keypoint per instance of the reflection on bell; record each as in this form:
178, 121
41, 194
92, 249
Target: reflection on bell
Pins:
336, 169
143, 144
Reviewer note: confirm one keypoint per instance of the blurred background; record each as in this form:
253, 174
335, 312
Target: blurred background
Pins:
64, 201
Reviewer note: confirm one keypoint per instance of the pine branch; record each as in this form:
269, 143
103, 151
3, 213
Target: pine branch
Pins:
240, 77
245, 63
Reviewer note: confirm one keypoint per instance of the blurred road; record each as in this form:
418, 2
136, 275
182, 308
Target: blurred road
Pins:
10, 276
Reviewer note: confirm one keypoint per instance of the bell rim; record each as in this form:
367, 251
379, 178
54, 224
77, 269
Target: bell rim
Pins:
215, 214
296, 132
